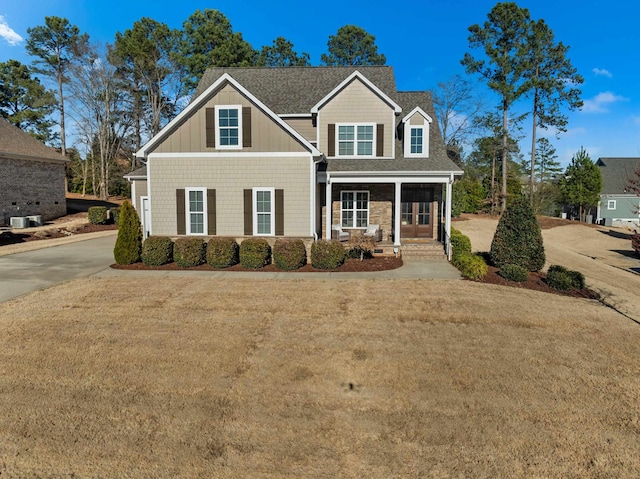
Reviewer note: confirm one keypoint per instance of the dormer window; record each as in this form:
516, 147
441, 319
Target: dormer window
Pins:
355, 140
229, 126
416, 134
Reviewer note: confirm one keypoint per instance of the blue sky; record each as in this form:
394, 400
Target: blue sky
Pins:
423, 41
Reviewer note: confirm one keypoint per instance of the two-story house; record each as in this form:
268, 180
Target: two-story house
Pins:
292, 152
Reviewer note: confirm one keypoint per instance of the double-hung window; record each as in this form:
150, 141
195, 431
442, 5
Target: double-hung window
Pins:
415, 142
611, 204
196, 207
354, 209
264, 211
356, 140
229, 126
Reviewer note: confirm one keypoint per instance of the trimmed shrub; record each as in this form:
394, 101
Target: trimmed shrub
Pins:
189, 252
289, 254
222, 252
157, 250
114, 214
558, 278
577, 279
254, 253
518, 239
460, 243
471, 266
514, 272
128, 246
327, 254
97, 215
635, 242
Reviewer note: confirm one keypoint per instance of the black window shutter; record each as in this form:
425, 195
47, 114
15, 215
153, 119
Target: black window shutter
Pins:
279, 213
210, 127
248, 212
331, 140
246, 126
211, 212
380, 139
180, 213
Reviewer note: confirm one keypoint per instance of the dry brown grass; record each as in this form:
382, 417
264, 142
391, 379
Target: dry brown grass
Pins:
193, 377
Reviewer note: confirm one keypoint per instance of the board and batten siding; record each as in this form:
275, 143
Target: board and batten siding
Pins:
266, 134
230, 177
356, 103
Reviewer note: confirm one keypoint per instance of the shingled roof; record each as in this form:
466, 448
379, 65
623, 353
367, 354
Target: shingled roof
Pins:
616, 173
15, 143
295, 90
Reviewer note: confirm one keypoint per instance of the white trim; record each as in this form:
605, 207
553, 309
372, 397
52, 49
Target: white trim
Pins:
146, 228
133, 194
398, 214
363, 79
233, 154
407, 140
328, 208
615, 205
295, 115
238, 108
202, 99
272, 212
149, 196
355, 209
187, 211
355, 140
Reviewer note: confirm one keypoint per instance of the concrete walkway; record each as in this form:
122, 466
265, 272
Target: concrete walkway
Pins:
24, 272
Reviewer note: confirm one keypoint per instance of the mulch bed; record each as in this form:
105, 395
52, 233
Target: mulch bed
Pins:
8, 237
379, 263
537, 282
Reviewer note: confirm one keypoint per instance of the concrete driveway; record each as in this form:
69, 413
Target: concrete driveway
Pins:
22, 273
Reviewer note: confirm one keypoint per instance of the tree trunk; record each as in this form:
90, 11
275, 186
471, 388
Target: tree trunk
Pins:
533, 143
493, 183
505, 125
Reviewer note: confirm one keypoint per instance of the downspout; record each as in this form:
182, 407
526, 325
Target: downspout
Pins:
314, 196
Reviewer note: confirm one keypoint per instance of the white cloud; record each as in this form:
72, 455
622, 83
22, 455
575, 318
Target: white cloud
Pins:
7, 33
602, 72
599, 103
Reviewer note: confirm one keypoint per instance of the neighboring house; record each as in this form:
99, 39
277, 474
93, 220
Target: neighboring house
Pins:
31, 176
293, 151
618, 205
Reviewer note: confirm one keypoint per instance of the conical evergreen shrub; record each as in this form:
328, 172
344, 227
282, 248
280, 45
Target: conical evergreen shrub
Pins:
518, 239
128, 246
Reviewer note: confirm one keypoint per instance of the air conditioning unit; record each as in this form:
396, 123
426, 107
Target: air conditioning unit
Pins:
35, 220
19, 222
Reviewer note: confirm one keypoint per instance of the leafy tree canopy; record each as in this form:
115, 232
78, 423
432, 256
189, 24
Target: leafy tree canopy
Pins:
24, 101
281, 54
209, 41
582, 182
352, 45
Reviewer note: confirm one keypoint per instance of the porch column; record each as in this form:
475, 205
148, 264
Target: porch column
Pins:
328, 208
447, 219
397, 210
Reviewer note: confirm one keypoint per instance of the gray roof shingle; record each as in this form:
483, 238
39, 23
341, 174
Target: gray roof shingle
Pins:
16, 143
616, 173
294, 90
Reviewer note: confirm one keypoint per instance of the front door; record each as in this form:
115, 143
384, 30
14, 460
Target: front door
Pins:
417, 215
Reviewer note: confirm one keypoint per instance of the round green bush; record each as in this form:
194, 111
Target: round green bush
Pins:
460, 243
128, 247
471, 266
518, 239
577, 279
222, 252
97, 215
114, 213
157, 250
558, 277
289, 254
327, 254
514, 272
189, 252
255, 253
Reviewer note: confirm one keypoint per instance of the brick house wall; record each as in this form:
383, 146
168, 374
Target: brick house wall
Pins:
29, 187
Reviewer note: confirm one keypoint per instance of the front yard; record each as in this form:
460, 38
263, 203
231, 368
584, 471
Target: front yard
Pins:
198, 377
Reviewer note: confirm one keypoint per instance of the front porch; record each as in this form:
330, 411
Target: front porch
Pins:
411, 211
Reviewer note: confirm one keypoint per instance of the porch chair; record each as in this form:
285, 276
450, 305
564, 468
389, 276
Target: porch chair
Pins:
373, 231
337, 233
